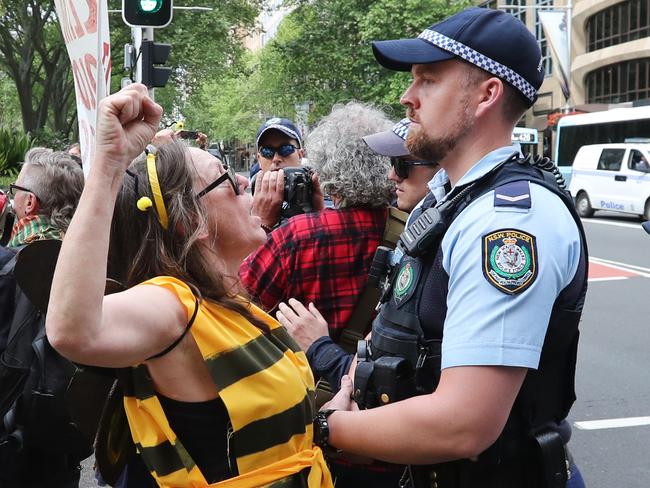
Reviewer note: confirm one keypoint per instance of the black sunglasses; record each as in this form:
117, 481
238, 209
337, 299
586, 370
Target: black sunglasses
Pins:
229, 175
403, 165
284, 150
13, 187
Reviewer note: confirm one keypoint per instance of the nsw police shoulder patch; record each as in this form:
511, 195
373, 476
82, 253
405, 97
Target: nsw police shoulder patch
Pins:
510, 260
406, 281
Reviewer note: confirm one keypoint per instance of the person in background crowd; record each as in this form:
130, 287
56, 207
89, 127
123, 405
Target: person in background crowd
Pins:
74, 150
6, 218
279, 146
409, 173
45, 195
210, 374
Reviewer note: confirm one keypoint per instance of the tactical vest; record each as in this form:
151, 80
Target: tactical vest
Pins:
404, 357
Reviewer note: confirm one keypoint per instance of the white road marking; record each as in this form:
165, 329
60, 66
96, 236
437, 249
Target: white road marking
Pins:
640, 270
615, 224
614, 278
612, 423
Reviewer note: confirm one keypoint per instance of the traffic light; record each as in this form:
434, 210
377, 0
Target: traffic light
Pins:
147, 13
154, 53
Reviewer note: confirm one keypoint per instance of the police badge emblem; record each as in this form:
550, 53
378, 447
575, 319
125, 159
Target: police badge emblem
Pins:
510, 260
404, 284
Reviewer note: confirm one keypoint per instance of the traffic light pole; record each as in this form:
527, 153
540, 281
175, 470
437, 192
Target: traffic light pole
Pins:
140, 34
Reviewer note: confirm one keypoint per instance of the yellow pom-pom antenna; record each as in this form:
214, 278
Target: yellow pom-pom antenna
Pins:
144, 204
180, 125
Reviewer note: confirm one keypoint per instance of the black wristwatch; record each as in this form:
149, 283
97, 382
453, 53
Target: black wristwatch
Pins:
322, 428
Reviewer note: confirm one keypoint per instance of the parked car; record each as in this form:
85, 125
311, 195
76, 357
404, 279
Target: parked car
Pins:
613, 177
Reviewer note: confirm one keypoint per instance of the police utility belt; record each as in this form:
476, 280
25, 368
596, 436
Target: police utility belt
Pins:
401, 361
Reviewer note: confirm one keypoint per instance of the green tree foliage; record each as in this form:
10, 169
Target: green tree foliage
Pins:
13, 145
322, 54
9, 106
33, 55
205, 45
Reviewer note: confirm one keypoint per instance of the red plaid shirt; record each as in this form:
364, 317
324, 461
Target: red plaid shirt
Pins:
321, 257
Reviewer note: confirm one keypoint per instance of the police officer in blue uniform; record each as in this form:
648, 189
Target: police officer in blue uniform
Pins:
468, 375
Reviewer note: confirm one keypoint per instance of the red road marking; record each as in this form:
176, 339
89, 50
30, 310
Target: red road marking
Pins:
598, 270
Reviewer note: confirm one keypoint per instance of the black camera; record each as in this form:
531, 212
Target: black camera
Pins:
188, 134
298, 191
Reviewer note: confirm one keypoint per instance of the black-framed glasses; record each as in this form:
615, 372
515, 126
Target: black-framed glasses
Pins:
229, 175
403, 165
13, 187
284, 150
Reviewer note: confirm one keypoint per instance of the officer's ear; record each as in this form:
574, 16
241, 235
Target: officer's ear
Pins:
301, 153
490, 95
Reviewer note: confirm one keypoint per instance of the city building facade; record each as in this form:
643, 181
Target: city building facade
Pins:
610, 58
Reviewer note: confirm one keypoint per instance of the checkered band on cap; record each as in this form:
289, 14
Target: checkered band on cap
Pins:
401, 129
480, 60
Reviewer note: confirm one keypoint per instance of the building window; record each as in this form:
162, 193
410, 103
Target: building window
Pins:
621, 82
623, 22
518, 9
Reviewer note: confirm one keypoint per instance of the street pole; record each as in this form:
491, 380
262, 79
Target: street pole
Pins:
569, 23
136, 37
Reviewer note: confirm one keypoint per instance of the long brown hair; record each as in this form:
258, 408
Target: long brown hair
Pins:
140, 249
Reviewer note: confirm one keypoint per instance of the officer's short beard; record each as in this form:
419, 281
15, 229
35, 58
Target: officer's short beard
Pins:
435, 149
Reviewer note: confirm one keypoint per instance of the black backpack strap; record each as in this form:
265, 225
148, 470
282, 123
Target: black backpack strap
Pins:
8, 268
177, 341
362, 315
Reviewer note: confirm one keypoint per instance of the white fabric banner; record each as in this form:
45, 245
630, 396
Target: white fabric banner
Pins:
554, 24
84, 24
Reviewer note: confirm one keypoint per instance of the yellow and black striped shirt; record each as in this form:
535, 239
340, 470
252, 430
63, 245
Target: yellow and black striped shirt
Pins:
267, 387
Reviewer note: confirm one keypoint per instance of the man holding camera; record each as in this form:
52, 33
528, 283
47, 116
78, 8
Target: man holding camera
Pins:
279, 146
324, 257
498, 263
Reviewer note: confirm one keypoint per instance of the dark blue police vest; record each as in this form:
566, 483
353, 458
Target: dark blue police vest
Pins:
407, 333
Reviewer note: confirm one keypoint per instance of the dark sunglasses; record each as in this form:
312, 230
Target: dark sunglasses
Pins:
229, 175
403, 165
13, 187
284, 150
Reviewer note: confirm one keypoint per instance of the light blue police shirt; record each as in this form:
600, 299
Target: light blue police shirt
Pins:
486, 326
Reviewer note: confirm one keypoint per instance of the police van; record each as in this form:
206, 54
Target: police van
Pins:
613, 177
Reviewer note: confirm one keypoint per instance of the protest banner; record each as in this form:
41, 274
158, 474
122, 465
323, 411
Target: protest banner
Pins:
84, 24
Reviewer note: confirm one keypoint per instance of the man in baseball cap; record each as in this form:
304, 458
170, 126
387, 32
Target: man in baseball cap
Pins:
279, 146
409, 173
470, 365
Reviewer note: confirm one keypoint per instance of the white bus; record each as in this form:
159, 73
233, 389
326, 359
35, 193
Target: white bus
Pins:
610, 126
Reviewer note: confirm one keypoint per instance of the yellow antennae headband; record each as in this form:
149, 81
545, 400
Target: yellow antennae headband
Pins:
155, 187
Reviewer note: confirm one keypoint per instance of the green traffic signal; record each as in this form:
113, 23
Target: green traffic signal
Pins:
147, 13
150, 6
